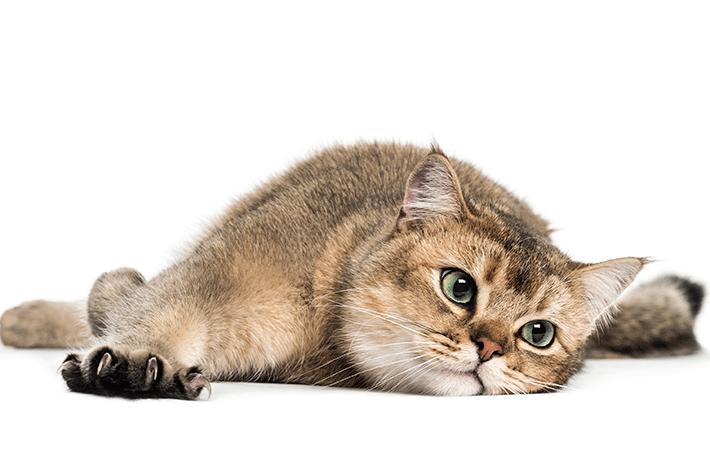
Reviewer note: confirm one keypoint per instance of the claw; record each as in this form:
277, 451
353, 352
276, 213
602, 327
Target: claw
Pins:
69, 361
104, 363
151, 371
200, 385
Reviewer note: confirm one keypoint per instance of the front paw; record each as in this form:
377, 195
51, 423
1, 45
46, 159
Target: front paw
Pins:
132, 374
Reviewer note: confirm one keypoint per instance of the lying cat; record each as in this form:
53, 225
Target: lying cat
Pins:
379, 266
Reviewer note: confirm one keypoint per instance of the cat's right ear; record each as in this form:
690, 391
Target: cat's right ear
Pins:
601, 284
433, 192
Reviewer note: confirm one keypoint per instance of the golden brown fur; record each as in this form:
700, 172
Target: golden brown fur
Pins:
333, 274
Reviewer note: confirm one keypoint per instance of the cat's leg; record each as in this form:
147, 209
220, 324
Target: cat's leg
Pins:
134, 357
45, 324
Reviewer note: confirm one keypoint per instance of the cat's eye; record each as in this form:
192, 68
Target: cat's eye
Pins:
538, 333
458, 286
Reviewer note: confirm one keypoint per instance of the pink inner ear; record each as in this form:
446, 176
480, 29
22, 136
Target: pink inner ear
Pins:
432, 191
604, 282
414, 190
411, 216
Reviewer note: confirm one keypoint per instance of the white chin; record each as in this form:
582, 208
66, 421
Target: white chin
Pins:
451, 383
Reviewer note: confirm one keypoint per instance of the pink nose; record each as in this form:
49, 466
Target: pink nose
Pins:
487, 348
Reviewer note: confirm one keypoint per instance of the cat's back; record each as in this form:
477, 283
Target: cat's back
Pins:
300, 208
345, 178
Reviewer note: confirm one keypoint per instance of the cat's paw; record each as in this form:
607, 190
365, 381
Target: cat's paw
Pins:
132, 374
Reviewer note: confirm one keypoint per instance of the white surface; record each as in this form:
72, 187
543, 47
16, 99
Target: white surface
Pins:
125, 126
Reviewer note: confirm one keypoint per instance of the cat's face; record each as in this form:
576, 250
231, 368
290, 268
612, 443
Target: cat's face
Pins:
465, 301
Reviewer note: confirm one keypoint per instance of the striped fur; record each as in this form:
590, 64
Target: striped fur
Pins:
333, 275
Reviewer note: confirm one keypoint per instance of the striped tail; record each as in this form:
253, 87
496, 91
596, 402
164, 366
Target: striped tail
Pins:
656, 319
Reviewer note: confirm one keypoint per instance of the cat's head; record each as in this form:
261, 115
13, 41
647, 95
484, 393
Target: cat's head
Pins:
464, 298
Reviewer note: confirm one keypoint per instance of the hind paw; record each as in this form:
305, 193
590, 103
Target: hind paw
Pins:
133, 374
43, 324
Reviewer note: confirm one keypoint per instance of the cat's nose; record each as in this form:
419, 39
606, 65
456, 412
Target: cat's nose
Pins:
487, 348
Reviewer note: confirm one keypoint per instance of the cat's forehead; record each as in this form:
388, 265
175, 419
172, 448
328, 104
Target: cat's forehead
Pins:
478, 250
531, 268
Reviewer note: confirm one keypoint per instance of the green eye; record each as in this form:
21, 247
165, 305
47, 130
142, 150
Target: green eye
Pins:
538, 333
458, 286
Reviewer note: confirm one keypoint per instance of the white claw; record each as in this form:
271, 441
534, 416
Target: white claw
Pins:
151, 372
64, 366
201, 383
105, 362
206, 392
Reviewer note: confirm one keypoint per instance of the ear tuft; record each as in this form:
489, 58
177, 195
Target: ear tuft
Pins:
433, 191
603, 283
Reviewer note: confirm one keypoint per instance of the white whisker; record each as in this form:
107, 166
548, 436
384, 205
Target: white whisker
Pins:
380, 315
371, 368
413, 371
523, 378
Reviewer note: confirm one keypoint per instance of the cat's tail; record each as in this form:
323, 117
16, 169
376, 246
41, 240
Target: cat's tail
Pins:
656, 319
45, 324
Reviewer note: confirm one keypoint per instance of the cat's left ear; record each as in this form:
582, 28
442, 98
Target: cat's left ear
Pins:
601, 284
433, 192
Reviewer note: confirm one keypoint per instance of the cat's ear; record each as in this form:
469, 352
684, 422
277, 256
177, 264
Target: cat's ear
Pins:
433, 192
601, 284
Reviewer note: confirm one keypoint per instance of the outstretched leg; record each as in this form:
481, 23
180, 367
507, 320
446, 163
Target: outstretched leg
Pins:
168, 337
136, 354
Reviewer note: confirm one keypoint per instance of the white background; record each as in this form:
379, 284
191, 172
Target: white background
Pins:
126, 126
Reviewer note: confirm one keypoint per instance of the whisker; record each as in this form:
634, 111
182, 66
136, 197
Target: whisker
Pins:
417, 368
384, 355
408, 355
524, 378
359, 372
413, 371
364, 289
382, 316
341, 291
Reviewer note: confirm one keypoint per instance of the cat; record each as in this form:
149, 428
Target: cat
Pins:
379, 265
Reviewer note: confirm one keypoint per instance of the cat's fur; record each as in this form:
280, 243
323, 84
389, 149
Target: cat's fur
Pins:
334, 274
